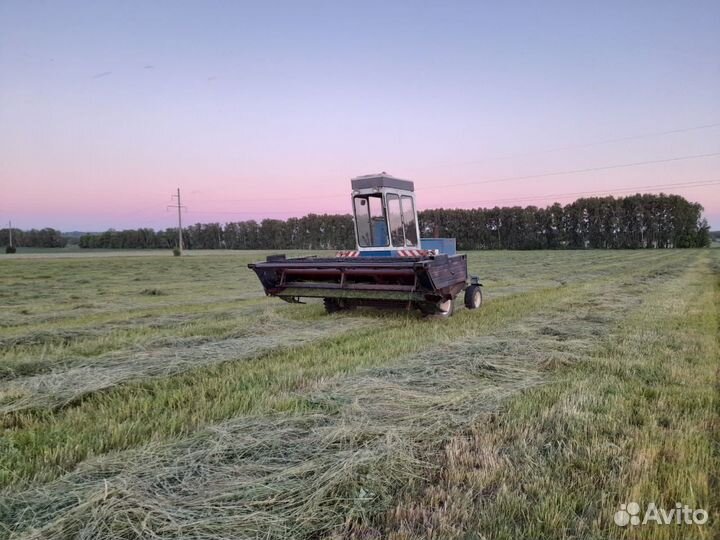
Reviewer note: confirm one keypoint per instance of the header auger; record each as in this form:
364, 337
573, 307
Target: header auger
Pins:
391, 266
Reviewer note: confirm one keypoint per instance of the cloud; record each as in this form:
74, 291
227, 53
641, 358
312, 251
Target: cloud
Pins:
103, 74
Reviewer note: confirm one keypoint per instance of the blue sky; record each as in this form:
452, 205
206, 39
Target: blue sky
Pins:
250, 108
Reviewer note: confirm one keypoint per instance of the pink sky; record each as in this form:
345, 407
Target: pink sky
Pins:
258, 113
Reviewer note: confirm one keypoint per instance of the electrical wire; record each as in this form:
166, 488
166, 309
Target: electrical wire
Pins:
499, 179
596, 143
688, 185
573, 171
610, 191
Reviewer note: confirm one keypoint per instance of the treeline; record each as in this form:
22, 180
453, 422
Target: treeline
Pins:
309, 232
639, 221
45, 238
130, 239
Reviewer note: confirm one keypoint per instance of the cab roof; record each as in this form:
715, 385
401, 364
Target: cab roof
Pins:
381, 180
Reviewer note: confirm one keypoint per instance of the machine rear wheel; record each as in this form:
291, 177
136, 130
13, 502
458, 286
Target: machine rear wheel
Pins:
473, 297
446, 308
441, 310
332, 305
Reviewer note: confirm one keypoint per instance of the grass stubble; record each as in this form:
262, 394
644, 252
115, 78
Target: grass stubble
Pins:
635, 420
532, 418
44, 444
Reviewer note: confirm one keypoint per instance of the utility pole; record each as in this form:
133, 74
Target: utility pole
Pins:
10, 232
179, 207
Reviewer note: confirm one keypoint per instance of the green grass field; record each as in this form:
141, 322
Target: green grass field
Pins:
146, 396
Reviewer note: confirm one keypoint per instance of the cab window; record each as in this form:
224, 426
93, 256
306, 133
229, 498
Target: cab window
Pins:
370, 221
408, 212
395, 220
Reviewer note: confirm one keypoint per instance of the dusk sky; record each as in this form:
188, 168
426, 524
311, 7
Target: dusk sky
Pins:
267, 109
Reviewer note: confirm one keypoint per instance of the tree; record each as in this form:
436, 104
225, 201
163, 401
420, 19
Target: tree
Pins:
636, 221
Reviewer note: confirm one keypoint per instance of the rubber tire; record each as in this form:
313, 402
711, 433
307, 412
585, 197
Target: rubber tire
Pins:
332, 305
449, 306
473, 297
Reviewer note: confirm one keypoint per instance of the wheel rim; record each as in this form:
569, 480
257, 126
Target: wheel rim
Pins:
477, 299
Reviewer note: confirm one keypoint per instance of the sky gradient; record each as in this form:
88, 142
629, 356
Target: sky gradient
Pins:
267, 109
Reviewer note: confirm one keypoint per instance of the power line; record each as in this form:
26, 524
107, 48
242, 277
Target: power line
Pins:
557, 149
597, 143
504, 178
302, 197
575, 171
687, 184
179, 207
236, 212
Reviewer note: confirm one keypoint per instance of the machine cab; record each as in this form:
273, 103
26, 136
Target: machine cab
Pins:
384, 214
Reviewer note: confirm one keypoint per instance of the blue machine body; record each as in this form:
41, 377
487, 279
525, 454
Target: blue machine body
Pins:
388, 253
442, 245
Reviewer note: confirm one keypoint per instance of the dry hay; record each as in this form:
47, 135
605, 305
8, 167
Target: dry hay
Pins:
305, 475
64, 385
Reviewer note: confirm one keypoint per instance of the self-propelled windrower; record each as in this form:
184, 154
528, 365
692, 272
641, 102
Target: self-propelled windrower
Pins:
391, 265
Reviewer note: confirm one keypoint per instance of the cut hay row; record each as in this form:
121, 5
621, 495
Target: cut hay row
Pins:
337, 468
636, 420
160, 334
40, 446
62, 386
